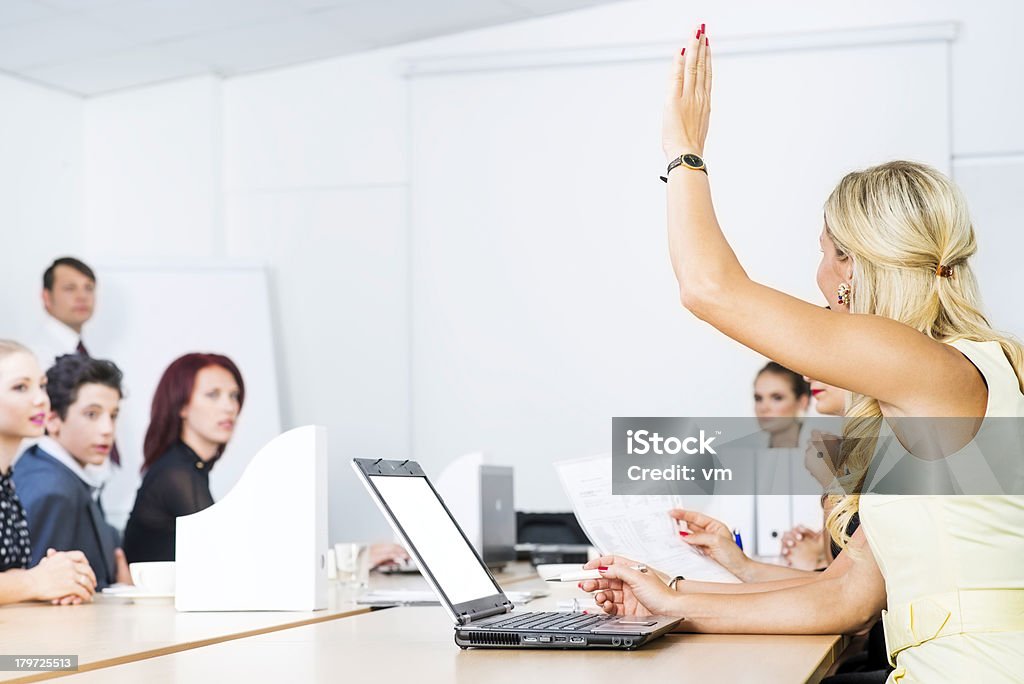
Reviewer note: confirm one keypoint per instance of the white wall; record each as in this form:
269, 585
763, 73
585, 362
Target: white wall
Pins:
153, 181
307, 170
40, 194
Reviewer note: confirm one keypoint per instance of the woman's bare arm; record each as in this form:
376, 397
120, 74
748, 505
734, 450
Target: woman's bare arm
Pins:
911, 373
846, 599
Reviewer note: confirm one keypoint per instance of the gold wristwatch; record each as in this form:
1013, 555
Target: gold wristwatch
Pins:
690, 161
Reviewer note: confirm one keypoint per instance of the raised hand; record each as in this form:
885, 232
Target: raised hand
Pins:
687, 111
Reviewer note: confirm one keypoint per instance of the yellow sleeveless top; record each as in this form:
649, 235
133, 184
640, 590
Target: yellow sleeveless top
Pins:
954, 566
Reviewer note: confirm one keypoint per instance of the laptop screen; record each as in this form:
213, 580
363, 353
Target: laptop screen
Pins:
437, 539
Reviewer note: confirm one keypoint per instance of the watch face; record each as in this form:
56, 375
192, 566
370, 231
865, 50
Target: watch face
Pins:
693, 161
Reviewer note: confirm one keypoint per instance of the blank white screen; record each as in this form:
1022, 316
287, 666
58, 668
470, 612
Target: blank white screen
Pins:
436, 537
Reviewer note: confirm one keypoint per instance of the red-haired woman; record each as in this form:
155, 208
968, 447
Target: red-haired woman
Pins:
194, 411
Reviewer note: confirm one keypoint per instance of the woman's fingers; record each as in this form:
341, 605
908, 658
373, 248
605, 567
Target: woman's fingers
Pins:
702, 540
693, 518
84, 571
699, 67
598, 584
677, 76
604, 561
690, 65
707, 69
614, 595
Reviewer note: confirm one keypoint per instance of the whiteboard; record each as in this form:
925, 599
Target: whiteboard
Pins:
147, 317
544, 302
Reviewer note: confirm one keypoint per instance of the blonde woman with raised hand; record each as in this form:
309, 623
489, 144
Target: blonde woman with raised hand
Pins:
60, 577
907, 338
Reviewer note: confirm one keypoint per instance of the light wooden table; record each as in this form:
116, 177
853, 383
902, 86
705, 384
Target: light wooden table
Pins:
112, 631
416, 644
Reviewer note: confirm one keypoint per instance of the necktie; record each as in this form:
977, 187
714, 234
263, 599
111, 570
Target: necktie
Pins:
81, 348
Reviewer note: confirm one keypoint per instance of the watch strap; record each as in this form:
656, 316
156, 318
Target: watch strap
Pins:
678, 161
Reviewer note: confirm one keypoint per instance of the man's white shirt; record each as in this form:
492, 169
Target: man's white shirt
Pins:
53, 339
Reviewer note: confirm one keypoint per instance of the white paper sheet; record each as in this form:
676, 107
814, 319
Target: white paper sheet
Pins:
637, 527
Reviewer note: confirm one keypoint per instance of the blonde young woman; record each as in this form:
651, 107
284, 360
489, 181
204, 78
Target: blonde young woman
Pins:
60, 577
906, 337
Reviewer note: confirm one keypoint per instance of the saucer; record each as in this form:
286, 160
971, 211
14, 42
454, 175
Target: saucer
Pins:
136, 595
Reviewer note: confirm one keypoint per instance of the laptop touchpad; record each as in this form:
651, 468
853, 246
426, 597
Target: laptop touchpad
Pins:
624, 625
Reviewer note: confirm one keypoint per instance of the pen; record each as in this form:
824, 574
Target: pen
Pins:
737, 538
581, 575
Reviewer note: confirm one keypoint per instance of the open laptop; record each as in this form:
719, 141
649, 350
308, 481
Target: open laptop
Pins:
483, 615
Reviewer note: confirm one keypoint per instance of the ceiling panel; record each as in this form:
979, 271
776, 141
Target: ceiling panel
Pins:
155, 20
118, 71
63, 39
397, 21
20, 11
266, 46
89, 47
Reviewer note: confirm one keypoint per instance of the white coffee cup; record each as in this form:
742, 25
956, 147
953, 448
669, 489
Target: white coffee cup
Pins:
156, 577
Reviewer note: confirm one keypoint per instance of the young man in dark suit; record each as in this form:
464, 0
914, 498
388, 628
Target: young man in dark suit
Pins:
60, 495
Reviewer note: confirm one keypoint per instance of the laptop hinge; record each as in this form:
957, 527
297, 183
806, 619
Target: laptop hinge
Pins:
466, 618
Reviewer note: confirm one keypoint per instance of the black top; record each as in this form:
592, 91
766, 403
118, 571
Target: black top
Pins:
851, 527
178, 483
15, 547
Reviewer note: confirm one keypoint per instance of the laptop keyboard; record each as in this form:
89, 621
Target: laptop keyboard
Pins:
545, 622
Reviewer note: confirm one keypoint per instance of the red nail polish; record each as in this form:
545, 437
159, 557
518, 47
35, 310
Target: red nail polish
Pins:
698, 34
602, 568
579, 584
706, 41
702, 29
684, 533
683, 52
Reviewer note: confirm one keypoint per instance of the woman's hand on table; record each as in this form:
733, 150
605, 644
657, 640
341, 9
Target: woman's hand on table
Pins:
384, 553
62, 578
803, 548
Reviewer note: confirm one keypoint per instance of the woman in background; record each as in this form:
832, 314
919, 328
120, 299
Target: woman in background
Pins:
59, 577
195, 407
780, 400
802, 547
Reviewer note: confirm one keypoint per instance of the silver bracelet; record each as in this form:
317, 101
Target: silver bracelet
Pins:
674, 581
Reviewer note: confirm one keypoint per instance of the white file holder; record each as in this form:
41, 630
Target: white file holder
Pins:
263, 546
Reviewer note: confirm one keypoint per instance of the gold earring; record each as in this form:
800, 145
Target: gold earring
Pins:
843, 293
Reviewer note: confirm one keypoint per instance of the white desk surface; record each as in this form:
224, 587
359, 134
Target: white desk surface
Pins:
112, 631
416, 644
